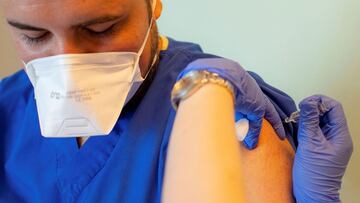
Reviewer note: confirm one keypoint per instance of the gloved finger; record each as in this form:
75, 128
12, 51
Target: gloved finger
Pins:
340, 141
334, 117
336, 129
309, 124
225, 68
239, 116
273, 117
252, 138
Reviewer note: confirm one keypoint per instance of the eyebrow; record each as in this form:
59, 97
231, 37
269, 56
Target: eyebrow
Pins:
103, 19
22, 26
99, 20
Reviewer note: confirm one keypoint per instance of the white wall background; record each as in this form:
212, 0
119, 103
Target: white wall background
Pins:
302, 47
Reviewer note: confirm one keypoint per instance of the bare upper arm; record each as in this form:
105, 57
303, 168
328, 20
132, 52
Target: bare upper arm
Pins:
267, 169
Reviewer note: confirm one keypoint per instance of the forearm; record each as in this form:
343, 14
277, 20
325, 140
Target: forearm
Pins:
203, 158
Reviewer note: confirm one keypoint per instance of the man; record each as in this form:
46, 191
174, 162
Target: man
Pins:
128, 164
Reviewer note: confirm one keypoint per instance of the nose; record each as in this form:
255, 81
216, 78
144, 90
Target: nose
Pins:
70, 47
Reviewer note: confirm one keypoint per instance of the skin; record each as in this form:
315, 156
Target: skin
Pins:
268, 168
203, 159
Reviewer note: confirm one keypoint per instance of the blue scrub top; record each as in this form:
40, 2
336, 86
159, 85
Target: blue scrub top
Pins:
125, 166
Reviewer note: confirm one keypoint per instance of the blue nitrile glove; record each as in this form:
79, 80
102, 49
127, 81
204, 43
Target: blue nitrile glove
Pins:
250, 101
324, 150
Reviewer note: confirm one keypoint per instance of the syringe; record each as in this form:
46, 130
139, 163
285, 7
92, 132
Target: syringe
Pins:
294, 117
242, 125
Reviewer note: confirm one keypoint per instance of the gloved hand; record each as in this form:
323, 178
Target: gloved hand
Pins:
324, 150
250, 101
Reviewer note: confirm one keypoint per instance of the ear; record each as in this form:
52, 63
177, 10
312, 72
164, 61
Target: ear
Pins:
158, 9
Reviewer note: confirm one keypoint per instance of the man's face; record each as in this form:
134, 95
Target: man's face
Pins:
43, 28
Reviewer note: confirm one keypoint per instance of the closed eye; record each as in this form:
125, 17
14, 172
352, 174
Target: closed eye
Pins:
101, 28
32, 38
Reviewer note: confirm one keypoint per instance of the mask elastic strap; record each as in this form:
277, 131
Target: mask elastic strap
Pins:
146, 39
148, 31
152, 65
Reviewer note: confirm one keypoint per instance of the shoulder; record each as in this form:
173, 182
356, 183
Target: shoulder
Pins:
15, 86
179, 54
273, 156
15, 91
283, 104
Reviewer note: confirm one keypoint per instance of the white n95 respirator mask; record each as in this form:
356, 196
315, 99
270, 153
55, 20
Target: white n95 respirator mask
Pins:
83, 94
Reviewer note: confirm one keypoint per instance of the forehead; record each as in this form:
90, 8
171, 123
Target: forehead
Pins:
60, 3
65, 10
